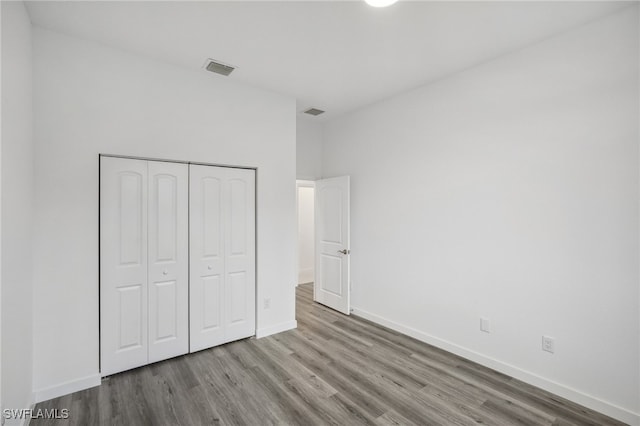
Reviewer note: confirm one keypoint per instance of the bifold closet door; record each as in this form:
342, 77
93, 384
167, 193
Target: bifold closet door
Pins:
222, 251
143, 262
123, 264
168, 254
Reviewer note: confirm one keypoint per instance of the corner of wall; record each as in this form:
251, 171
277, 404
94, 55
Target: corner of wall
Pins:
66, 388
16, 193
276, 328
1, 97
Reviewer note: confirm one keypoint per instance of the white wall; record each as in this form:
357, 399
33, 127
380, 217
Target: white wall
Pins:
91, 99
1, 97
306, 237
509, 191
17, 207
308, 149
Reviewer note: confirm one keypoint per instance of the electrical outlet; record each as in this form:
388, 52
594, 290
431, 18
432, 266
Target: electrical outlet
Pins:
485, 325
548, 344
267, 303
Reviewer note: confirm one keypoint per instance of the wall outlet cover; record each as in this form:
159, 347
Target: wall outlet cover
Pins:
485, 325
548, 344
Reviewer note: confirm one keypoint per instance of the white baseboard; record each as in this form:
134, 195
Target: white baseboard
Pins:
571, 394
274, 329
67, 387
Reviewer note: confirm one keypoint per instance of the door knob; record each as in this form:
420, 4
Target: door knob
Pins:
345, 251
209, 267
165, 272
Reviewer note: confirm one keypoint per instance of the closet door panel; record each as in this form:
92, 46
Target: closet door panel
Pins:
206, 257
222, 240
123, 264
130, 314
237, 284
240, 253
211, 303
237, 222
168, 253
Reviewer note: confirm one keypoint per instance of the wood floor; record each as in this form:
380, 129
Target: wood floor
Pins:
331, 370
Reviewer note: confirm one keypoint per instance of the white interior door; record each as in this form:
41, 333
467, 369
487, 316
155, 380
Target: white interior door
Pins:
168, 257
222, 255
123, 264
332, 279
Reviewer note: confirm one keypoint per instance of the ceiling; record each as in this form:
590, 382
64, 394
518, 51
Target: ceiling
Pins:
333, 55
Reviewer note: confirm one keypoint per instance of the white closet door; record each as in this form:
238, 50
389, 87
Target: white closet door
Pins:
168, 254
222, 255
123, 264
206, 239
240, 318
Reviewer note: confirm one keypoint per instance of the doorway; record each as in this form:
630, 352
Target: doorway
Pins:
305, 199
323, 210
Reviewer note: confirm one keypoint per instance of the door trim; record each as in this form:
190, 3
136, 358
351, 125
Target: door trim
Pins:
301, 183
164, 160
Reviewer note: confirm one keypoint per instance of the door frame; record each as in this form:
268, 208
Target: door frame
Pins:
301, 183
198, 163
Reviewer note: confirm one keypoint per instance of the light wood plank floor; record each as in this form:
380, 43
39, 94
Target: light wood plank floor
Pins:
332, 370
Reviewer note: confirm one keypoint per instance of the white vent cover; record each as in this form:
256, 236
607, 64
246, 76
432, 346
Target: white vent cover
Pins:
314, 111
218, 67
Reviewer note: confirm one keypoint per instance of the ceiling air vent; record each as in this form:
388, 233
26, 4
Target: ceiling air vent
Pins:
314, 111
218, 67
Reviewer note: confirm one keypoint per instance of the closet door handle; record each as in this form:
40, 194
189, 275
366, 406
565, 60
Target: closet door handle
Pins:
345, 251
